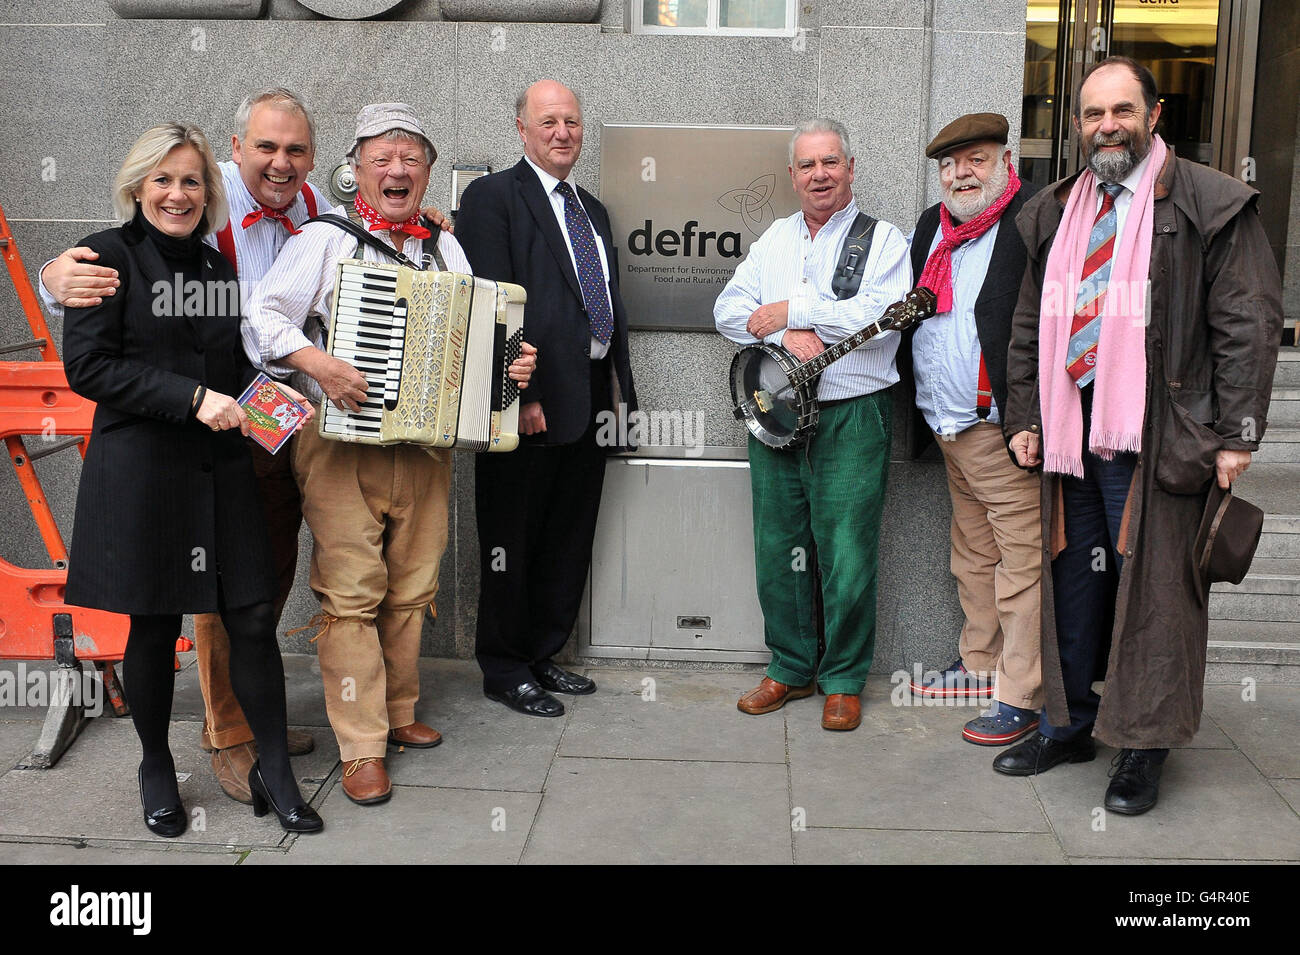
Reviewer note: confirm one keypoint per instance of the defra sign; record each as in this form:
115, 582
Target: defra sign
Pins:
685, 202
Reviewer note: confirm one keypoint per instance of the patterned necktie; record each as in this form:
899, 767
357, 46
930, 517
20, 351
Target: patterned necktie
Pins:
595, 296
1085, 330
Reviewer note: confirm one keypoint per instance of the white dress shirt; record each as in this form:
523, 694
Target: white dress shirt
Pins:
598, 348
1124, 201
786, 263
300, 286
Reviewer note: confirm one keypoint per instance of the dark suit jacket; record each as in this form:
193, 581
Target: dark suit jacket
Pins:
509, 234
162, 499
993, 309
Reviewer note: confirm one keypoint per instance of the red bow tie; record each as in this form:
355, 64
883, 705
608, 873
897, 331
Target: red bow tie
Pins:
378, 223
269, 213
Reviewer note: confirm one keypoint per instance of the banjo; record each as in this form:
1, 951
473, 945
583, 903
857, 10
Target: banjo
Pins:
776, 396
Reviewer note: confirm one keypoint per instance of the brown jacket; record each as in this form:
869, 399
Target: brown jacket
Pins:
1212, 339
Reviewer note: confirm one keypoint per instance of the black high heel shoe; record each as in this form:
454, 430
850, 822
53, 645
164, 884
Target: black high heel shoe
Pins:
298, 819
168, 822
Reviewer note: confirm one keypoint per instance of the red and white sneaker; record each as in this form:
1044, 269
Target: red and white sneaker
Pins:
1000, 725
954, 683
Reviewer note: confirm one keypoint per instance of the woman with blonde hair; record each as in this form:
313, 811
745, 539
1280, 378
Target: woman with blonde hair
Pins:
168, 516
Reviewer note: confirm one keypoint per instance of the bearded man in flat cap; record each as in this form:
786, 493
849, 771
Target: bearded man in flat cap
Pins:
967, 250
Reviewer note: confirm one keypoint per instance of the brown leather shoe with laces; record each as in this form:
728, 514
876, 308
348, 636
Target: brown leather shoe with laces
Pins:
366, 782
415, 735
770, 695
842, 712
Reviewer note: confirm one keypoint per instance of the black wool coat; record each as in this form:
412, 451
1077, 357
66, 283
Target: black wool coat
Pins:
164, 503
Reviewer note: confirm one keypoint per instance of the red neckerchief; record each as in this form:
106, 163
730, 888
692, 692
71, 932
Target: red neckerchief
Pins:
937, 274
270, 213
378, 223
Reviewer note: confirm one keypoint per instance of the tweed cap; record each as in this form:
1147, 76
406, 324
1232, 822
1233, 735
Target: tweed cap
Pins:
971, 128
378, 118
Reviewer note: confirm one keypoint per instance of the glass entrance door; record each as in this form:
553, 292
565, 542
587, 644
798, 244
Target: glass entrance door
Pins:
1202, 55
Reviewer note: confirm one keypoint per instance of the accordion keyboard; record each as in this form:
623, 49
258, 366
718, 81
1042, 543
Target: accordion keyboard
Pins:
368, 329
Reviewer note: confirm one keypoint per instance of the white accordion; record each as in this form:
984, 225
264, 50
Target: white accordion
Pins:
434, 348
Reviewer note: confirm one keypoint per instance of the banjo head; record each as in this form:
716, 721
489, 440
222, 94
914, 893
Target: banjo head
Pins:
777, 414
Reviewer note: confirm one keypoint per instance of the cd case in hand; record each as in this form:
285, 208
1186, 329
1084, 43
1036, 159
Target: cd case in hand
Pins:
272, 415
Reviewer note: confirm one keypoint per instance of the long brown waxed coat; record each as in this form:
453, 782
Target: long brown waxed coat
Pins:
1212, 339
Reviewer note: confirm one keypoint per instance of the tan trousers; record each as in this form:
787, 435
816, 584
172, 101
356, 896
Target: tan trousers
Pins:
379, 519
282, 516
997, 560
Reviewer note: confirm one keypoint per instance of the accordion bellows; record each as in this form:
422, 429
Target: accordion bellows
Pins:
434, 348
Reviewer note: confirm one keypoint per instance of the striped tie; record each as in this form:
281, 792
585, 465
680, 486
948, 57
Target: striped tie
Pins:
591, 276
1081, 355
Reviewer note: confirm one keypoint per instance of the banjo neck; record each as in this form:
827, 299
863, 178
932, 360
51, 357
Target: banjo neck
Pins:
833, 353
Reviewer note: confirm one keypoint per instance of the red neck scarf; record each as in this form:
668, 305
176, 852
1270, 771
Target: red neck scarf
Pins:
937, 274
378, 223
270, 213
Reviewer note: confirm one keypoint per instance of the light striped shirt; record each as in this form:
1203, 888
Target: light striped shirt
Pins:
786, 264
946, 348
290, 308
599, 349
255, 247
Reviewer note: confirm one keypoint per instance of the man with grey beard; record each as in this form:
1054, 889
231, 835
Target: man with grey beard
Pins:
967, 250
1139, 375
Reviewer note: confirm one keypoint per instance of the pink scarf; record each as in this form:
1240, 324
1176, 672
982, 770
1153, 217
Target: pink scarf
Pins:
937, 274
1119, 390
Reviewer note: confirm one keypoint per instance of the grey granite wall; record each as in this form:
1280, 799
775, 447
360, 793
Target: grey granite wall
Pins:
82, 83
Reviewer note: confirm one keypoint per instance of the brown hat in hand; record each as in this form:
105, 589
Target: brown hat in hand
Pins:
971, 128
1226, 541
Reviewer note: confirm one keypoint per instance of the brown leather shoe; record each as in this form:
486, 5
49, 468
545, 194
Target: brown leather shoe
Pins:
770, 695
842, 712
232, 766
366, 782
300, 743
415, 735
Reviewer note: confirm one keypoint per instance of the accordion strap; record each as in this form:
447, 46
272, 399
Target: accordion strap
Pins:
353, 227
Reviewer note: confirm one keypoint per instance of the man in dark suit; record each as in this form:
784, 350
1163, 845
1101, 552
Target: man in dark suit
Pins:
968, 251
536, 507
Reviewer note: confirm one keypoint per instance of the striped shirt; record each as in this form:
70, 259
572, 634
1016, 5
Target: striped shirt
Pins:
255, 247
290, 308
786, 264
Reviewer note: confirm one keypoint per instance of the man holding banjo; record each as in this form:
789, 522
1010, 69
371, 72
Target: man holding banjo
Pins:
801, 288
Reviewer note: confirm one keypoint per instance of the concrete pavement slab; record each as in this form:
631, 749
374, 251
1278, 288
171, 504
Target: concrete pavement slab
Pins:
17, 738
485, 745
680, 714
92, 793
905, 767
421, 825
655, 811
30, 853
921, 847
1290, 791
1265, 728
1213, 805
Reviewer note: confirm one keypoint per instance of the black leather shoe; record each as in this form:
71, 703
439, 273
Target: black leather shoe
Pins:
1135, 780
168, 822
530, 699
1040, 753
301, 818
555, 680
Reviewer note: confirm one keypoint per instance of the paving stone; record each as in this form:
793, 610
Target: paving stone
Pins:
650, 811
1290, 791
30, 853
92, 792
1213, 804
418, 825
1264, 729
17, 737
924, 847
692, 716
905, 767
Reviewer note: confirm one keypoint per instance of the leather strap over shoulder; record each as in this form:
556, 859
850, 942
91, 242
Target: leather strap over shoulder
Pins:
352, 225
853, 257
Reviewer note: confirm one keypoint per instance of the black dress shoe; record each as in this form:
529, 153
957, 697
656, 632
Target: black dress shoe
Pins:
530, 699
1040, 753
168, 822
1135, 780
555, 680
300, 818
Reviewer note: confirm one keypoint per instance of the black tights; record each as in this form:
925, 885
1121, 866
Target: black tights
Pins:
256, 675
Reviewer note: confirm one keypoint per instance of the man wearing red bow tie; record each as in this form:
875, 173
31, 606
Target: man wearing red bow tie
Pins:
378, 513
266, 185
